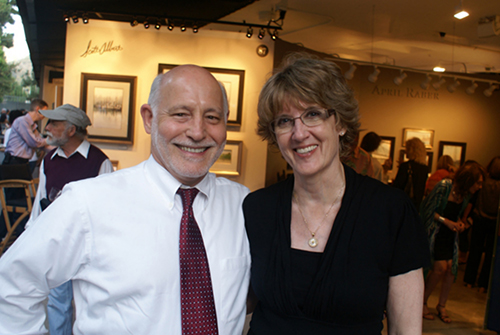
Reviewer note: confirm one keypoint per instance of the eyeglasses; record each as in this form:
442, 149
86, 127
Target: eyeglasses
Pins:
311, 117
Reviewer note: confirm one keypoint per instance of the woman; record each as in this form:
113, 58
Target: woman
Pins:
483, 230
445, 169
441, 212
370, 143
414, 170
331, 249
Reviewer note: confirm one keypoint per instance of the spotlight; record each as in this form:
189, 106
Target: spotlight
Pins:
85, 19
158, 25
274, 35
399, 79
439, 83
66, 18
460, 13
249, 32
75, 19
374, 76
195, 29
134, 23
489, 91
262, 32
452, 87
170, 26
426, 82
183, 27
350, 73
438, 68
146, 25
472, 88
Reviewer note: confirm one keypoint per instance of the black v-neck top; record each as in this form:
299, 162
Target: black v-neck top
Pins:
376, 234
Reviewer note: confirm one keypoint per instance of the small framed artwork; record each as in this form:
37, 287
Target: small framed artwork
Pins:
455, 150
229, 162
425, 135
403, 158
109, 101
385, 150
233, 81
115, 165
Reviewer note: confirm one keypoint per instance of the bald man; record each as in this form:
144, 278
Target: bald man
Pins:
159, 248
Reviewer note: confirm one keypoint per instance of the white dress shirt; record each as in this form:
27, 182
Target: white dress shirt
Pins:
83, 149
117, 237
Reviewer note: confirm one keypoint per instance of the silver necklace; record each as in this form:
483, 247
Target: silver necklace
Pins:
313, 241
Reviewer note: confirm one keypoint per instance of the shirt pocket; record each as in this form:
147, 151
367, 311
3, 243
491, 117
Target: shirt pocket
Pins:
234, 287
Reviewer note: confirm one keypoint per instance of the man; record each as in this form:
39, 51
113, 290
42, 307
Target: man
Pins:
24, 137
359, 160
126, 239
74, 158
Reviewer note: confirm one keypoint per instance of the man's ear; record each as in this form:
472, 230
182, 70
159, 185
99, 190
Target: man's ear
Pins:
147, 117
72, 131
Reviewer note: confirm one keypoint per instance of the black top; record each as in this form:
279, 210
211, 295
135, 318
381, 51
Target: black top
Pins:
376, 234
420, 173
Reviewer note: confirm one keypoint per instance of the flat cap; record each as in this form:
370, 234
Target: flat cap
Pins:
70, 113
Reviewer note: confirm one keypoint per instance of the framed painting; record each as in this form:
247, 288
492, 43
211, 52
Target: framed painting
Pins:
229, 162
109, 101
425, 135
233, 81
403, 158
455, 150
385, 150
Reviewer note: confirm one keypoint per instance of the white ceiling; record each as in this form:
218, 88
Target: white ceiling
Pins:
394, 32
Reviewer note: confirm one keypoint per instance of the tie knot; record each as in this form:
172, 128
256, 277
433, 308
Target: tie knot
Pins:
187, 196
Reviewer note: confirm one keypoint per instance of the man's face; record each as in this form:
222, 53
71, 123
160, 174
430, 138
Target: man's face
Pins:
188, 130
39, 115
57, 133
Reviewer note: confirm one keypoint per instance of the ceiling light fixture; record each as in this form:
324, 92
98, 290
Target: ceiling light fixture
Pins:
460, 13
489, 91
453, 86
374, 76
438, 68
350, 73
85, 19
195, 29
439, 83
426, 82
158, 25
66, 18
170, 26
183, 27
262, 32
249, 32
146, 25
75, 19
134, 22
274, 35
399, 79
472, 88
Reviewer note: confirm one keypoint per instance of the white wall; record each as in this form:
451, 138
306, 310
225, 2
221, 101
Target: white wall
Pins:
139, 51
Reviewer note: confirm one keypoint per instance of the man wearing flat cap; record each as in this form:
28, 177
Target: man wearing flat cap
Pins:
74, 158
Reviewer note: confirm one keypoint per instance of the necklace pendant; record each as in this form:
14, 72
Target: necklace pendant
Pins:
313, 242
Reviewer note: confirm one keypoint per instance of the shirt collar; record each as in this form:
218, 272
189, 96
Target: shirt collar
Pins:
163, 179
83, 149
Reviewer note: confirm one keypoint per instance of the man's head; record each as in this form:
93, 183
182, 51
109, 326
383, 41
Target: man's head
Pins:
186, 116
36, 106
65, 123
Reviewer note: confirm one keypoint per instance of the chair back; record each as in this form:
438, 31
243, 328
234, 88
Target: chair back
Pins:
10, 208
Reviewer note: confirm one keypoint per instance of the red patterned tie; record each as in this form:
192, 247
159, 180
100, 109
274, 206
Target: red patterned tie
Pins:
197, 298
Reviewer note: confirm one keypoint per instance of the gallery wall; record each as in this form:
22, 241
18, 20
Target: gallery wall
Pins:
387, 109
114, 48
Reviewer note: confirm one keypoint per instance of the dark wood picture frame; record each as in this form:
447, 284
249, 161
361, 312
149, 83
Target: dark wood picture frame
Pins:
233, 81
122, 89
451, 148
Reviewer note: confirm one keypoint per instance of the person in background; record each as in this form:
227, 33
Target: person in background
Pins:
370, 143
358, 159
441, 214
331, 249
24, 137
74, 158
158, 248
484, 228
445, 169
412, 174
12, 116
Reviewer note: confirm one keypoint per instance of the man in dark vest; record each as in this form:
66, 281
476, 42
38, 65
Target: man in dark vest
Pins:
74, 158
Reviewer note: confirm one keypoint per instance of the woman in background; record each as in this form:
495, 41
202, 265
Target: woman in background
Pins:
415, 169
484, 228
370, 143
445, 169
441, 211
331, 249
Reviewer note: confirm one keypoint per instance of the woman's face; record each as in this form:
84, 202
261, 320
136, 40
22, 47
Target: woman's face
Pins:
309, 150
477, 186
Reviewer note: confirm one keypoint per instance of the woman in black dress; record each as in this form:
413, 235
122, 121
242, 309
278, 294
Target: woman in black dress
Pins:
331, 249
